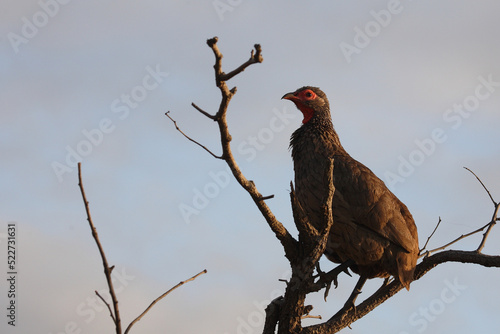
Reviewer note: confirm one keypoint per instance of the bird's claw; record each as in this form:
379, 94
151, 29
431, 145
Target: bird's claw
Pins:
350, 303
327, 288
326, 279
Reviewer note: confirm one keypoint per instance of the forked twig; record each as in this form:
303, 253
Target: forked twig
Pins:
463, 236
114, 313
191, 139
491, 224
255, 57
161, 297
107, 304
203, 112
488, 226
487, 191
107, 270
430, 236
280, 231
493, 218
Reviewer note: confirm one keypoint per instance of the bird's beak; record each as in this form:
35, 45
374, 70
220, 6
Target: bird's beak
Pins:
289, 96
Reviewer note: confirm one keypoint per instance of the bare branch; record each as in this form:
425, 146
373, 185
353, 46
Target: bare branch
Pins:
488, 226
107, 269
189, 138
204, 112
430, 236
288, 242
107, 304
463, 236
254, 58
489, 194
267, 197
491, 224
493, 218
161, 297
308, 316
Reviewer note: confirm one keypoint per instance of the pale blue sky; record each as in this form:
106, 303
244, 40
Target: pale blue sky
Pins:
396, 73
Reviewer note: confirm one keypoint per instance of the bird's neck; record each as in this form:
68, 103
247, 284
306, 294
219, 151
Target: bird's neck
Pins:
318, 135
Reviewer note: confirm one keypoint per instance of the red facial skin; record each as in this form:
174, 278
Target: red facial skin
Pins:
300, 99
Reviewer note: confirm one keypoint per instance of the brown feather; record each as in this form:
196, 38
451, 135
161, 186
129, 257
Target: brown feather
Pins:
371, 227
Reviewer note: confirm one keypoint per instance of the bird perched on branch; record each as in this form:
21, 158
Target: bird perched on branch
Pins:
371, 226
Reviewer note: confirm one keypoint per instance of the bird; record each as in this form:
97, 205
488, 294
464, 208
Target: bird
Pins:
371, 227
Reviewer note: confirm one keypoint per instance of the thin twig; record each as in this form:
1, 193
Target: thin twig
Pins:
493, 218
489, 194
107, 304
311, 317
488, 226
189, 138
430, 236
455, 240
491, 224
107, 269
286, 239
263, 198
204, 112
254, 58
288, 242
161, 297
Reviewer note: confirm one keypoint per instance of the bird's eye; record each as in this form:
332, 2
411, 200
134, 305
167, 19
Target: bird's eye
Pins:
308, 94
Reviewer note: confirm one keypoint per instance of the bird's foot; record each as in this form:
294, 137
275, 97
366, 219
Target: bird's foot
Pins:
385, 283
350, 303
325, 279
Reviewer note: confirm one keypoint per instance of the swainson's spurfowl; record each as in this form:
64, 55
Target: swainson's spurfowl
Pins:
371, 226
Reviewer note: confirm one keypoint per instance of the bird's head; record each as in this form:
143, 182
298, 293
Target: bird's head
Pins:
311, 101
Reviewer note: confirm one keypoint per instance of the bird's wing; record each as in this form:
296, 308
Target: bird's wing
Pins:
371, 204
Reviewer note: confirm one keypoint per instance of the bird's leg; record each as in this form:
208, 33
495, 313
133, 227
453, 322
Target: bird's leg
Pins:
357, 290
352, 298
386, 282
326, 279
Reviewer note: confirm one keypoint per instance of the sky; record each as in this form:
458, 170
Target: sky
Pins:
414, 88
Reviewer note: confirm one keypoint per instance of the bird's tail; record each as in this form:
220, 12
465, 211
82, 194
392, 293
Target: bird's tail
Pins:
406, 268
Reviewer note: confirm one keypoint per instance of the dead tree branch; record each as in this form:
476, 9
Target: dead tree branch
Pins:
286, 312
107, 305
486, 189
191, 139
115, 315
430, 236
288, 242
493, 218
491, 224
488, 226
114, 312
161, 297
